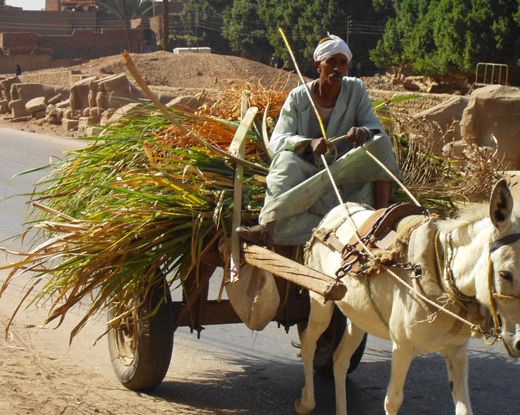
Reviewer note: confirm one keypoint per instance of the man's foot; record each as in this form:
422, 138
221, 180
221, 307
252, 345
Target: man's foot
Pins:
258, 235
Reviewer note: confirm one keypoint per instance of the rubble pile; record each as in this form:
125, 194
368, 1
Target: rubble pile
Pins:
87, 106
488, 118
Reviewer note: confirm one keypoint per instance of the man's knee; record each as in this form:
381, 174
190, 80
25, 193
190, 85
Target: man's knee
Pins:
287, 158
287, 170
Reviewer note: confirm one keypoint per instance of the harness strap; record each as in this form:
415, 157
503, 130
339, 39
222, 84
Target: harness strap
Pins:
328, 235
375, 228
506, 240
329, 238
446, 277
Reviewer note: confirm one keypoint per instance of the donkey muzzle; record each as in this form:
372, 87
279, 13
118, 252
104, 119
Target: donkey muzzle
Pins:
516, 339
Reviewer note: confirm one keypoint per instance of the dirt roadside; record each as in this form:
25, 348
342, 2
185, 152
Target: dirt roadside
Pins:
41, 375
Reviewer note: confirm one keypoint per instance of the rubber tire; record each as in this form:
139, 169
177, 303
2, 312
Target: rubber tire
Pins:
327, 343
142, 366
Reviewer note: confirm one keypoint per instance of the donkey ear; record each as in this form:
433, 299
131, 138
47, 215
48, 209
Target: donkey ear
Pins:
501, 205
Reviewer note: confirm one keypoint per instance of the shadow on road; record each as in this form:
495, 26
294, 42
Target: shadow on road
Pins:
267, 387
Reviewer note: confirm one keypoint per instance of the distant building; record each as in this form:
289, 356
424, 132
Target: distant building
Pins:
70, 5
4, 7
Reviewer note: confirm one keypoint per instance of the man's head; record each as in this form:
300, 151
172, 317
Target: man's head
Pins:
331, 45
332, 58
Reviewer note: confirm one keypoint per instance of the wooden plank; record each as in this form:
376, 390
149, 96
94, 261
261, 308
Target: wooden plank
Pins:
329, 287
237, 148
265, 135
194, 297
222, 312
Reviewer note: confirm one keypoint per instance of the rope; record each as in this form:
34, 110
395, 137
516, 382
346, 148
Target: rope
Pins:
492, 302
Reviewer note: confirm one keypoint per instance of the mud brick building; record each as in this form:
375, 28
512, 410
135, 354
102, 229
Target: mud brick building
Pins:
67, 30
70, 5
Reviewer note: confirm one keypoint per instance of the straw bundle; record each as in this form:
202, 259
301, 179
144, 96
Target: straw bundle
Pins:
143, 202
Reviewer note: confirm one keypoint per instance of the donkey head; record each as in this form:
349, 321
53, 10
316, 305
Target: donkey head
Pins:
504, 267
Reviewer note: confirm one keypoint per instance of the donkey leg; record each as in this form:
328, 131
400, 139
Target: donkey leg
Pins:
401, 360
346, 348
457, 362
319, 318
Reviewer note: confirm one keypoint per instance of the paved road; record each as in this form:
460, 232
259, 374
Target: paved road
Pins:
232, 370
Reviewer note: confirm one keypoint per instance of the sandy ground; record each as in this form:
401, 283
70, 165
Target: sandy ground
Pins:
36, 381
37, 378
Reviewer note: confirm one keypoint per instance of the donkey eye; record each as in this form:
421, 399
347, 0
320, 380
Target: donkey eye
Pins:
506, 275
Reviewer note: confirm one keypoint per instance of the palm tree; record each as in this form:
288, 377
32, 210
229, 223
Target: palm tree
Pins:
126, 10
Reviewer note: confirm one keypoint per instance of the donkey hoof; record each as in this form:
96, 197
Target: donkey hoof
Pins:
299, 409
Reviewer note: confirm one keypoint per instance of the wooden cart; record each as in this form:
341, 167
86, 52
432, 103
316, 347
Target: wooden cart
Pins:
141, 348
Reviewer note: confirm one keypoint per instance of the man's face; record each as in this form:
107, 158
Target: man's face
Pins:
333, 69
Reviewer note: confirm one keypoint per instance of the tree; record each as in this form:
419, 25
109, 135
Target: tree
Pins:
305, 23
203, 21
449, 36
252, 27
245, 30
166, 25
517, 19
126, 9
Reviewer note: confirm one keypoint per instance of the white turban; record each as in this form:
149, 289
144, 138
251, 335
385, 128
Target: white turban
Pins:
330, 46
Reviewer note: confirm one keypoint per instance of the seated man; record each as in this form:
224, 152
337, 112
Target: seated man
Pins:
297, 143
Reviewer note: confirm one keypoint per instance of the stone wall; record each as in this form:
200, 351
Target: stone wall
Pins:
57, 78
18, 40
52, 5
81, 43
27, 62
46, 22
92, 44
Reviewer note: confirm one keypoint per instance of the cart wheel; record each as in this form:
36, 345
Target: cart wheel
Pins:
327, 343
141, 354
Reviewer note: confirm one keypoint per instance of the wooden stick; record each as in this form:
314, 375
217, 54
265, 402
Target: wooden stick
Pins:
265, 135
329, 287
237, 148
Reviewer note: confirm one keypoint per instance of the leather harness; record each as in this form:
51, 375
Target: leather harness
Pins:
377, 227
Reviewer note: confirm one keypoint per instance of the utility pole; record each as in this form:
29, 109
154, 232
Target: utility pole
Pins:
166, 24
349, 27
153, 8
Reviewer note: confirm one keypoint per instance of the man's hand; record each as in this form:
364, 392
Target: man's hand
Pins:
358, 136
319, 146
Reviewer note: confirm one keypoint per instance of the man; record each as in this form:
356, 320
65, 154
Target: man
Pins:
298, 143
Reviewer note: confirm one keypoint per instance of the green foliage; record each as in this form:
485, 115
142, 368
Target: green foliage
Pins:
305, 24
202, 22
131, 207
252, 27
244, 29
449, 36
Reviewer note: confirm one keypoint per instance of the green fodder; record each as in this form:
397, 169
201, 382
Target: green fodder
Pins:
140, 203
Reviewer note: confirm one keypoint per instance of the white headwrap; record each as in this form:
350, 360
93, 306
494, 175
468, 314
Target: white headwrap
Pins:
330, 47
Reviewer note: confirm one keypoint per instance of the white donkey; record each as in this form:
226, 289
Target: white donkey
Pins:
476, 271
